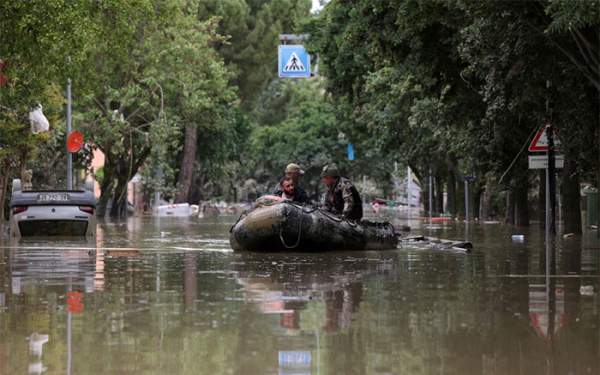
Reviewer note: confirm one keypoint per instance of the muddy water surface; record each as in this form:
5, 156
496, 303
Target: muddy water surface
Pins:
170, 297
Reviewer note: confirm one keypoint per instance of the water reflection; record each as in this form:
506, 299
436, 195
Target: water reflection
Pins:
36, 344
286, 288
29, 269
39, 279
168, 297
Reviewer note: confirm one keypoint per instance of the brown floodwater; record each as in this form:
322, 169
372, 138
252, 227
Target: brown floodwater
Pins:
169, 296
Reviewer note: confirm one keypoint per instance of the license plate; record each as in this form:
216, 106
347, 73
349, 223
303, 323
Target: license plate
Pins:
53, 197
298, 359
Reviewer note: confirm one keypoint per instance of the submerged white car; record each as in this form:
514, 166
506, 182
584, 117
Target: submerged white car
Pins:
43, 213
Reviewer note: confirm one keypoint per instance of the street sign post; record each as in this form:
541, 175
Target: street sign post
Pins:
69, 128
545, 142
293, 61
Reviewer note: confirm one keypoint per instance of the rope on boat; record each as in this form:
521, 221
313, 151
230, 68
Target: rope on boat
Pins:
243, 215
299, 230
331, 216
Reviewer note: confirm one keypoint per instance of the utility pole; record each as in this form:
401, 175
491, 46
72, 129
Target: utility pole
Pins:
408, 191
69, 129
550, 191
551, 170
430, 196
466, 200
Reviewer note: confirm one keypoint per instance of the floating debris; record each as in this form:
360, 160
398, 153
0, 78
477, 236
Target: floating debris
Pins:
519, 238
438, 244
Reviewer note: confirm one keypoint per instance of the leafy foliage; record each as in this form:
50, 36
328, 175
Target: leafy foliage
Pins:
459, 86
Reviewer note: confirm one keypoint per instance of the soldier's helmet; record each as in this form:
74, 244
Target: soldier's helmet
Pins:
294, 168
330, 170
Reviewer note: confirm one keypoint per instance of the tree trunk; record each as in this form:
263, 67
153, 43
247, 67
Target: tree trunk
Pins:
484, 204
477, 193
521, 204
186, 172
571, 199
486, 210
106, 189
425, 197
451, 197
510, 207
460, 199
119, 206
439, 194
4, 177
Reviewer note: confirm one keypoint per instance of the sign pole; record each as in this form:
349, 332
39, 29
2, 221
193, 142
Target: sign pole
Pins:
430, 196
466, 209
550, 193
408, 191
548, 252
552, 180
69, 129
466, 200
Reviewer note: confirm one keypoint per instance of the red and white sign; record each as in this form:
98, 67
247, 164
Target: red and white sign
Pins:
540, 141
540, 311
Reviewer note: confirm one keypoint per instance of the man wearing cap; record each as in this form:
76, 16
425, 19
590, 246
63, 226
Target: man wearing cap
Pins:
341, 197
294, 172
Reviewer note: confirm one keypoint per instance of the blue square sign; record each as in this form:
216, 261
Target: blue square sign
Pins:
294, 61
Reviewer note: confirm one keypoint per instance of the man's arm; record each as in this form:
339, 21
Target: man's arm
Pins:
325, 203
348, 199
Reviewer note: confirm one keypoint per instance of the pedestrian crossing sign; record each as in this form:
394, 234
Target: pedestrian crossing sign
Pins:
294, 61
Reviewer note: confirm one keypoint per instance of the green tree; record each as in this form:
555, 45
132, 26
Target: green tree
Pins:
253, 28
307, 135
394, 72
41, 43
459, 86
166, 82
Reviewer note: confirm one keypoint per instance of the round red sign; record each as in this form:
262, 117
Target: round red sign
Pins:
74, 141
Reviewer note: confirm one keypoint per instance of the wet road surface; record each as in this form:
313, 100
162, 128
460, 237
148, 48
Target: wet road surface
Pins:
170, 297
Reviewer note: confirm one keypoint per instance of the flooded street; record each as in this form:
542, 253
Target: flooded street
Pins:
170, 297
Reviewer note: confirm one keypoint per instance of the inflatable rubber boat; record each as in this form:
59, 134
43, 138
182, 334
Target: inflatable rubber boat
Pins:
285, 226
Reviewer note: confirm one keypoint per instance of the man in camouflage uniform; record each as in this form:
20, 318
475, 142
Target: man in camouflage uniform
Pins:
341, 197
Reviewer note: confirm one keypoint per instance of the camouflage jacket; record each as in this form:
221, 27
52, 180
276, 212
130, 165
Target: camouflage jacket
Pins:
343, 199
